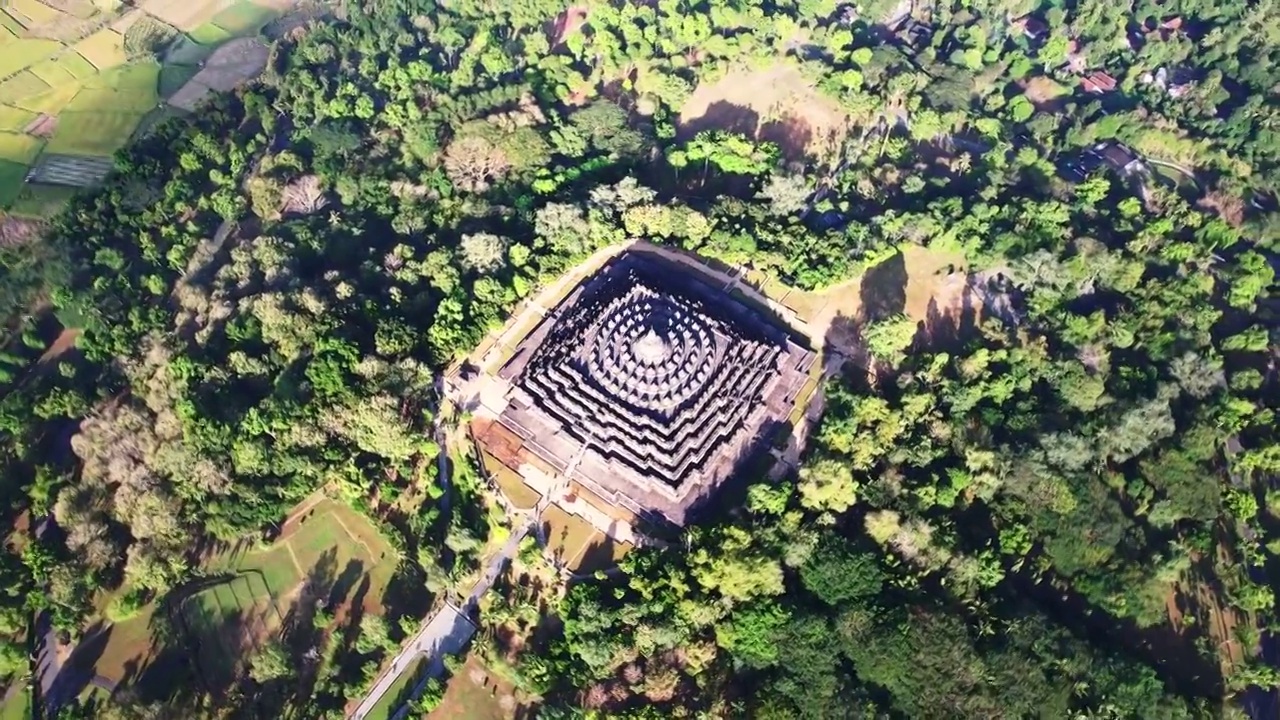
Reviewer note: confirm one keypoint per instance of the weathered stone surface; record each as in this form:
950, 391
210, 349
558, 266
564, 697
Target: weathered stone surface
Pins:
649, 387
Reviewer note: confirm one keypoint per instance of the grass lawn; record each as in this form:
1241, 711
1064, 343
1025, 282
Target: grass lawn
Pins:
42, 201
567, 535
398, 694
599, 552
14, 119
17, 708
128, 645
93, 133
104, 49
19, 148
25, 52
244, 18
11, 177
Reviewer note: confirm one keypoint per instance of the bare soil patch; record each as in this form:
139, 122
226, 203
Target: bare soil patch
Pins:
61, 344
43, 126
567, 23
1043, 92
776, 104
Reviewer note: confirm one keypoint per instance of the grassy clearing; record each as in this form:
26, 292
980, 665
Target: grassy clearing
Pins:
238, 614
41, 201
93, 133
104, 49
14, 119
11, 177
19, 148
23, 53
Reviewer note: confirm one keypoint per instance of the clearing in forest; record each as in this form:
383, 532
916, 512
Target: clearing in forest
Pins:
776, 104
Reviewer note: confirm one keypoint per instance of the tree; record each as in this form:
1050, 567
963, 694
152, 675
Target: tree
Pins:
838, 574
787, 194
473, 163
888, 339
827, 486
483, 252
270, 663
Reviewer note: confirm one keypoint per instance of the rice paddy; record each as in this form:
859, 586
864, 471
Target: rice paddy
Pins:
77, 79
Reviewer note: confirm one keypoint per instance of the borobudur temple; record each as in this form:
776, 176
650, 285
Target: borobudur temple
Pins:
650, 387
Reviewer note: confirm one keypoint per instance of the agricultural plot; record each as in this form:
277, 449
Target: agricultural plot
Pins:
15, 120
19, 148
70, 170
32, 13
22, 53
183, 14
230, 65
93, 133
103, 49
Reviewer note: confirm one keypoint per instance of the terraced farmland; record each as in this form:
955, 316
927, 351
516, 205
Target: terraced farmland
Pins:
77, 81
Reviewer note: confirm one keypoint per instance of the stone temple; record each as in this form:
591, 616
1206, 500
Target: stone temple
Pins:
649, 387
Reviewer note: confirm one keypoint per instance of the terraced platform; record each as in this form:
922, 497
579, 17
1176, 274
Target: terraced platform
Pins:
650, 387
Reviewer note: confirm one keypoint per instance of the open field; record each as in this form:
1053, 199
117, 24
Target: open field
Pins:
774, 103
477, 693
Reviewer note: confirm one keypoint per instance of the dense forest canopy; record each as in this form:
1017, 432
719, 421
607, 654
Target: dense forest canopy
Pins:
1005, 504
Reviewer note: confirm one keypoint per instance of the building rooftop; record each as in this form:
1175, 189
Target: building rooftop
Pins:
649, 387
